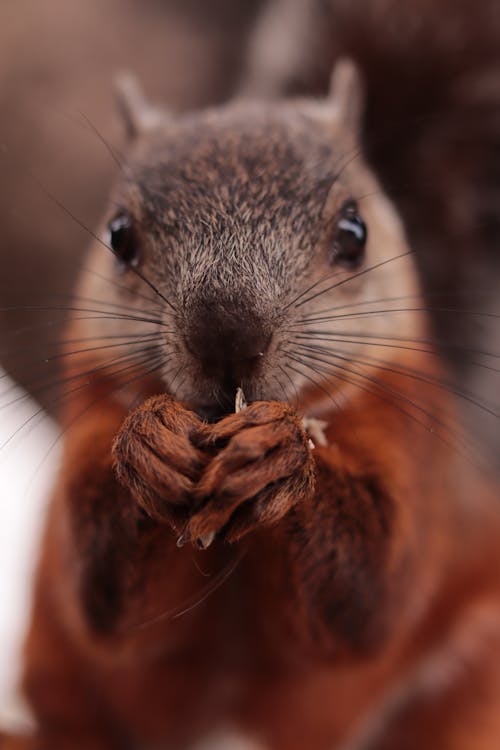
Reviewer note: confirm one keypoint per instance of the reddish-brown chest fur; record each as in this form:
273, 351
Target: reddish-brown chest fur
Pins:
299, 631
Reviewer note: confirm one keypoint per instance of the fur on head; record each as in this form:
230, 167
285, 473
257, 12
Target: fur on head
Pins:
262, 231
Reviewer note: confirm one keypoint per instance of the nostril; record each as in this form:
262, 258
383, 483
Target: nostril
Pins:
256, 346
252, 363
229, 353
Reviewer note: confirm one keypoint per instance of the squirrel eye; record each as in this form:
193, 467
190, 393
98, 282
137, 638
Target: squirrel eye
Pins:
122, 240
350, 236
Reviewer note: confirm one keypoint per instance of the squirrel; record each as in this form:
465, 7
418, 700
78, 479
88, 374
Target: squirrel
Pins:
263, 522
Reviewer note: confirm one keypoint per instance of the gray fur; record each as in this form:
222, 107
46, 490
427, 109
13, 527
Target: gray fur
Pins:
235, 210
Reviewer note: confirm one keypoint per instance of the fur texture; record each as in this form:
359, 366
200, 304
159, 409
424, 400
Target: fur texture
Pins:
341, 584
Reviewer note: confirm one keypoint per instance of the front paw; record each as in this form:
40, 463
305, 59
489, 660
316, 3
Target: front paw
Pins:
156, 459
262, 466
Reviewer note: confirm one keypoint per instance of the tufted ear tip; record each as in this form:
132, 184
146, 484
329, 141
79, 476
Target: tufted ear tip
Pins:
139, 115
347, 93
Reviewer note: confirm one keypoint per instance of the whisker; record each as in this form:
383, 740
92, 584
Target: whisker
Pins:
401, 298
62, 355
406, 372
153, 287
61, 321
311, 380
58, 343
61, 308
36, 390
45, 359
94, 403
363, 272
192, 602
176, 376
119, 160
329, 276
98, 239
290, 379
341, 336
379, 385
41, 410
113, 282
371, 313
113, 305
281, 386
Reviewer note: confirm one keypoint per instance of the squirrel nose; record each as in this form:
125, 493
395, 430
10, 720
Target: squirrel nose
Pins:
229, 350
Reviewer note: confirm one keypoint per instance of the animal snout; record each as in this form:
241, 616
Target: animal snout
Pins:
229, 348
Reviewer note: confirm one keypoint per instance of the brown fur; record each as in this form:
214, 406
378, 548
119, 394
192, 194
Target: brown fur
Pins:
343, 597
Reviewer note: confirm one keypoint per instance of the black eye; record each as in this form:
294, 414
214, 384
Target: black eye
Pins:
122, 239
350, 235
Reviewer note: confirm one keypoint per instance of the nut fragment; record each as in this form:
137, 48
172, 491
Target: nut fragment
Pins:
203, 542
240, 400
315, 428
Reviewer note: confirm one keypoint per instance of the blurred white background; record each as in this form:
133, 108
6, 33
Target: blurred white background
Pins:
29, 454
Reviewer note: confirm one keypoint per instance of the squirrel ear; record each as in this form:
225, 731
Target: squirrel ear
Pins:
347, 94
138, 114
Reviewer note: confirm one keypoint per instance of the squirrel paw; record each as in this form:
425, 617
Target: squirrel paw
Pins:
262, 466
156, 459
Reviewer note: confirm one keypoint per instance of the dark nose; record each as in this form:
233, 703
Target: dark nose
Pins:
229, 347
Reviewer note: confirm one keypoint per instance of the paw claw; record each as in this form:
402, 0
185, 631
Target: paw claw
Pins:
227, 478
204, 542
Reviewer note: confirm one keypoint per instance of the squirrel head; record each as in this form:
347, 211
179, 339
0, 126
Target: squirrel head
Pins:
249, 226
